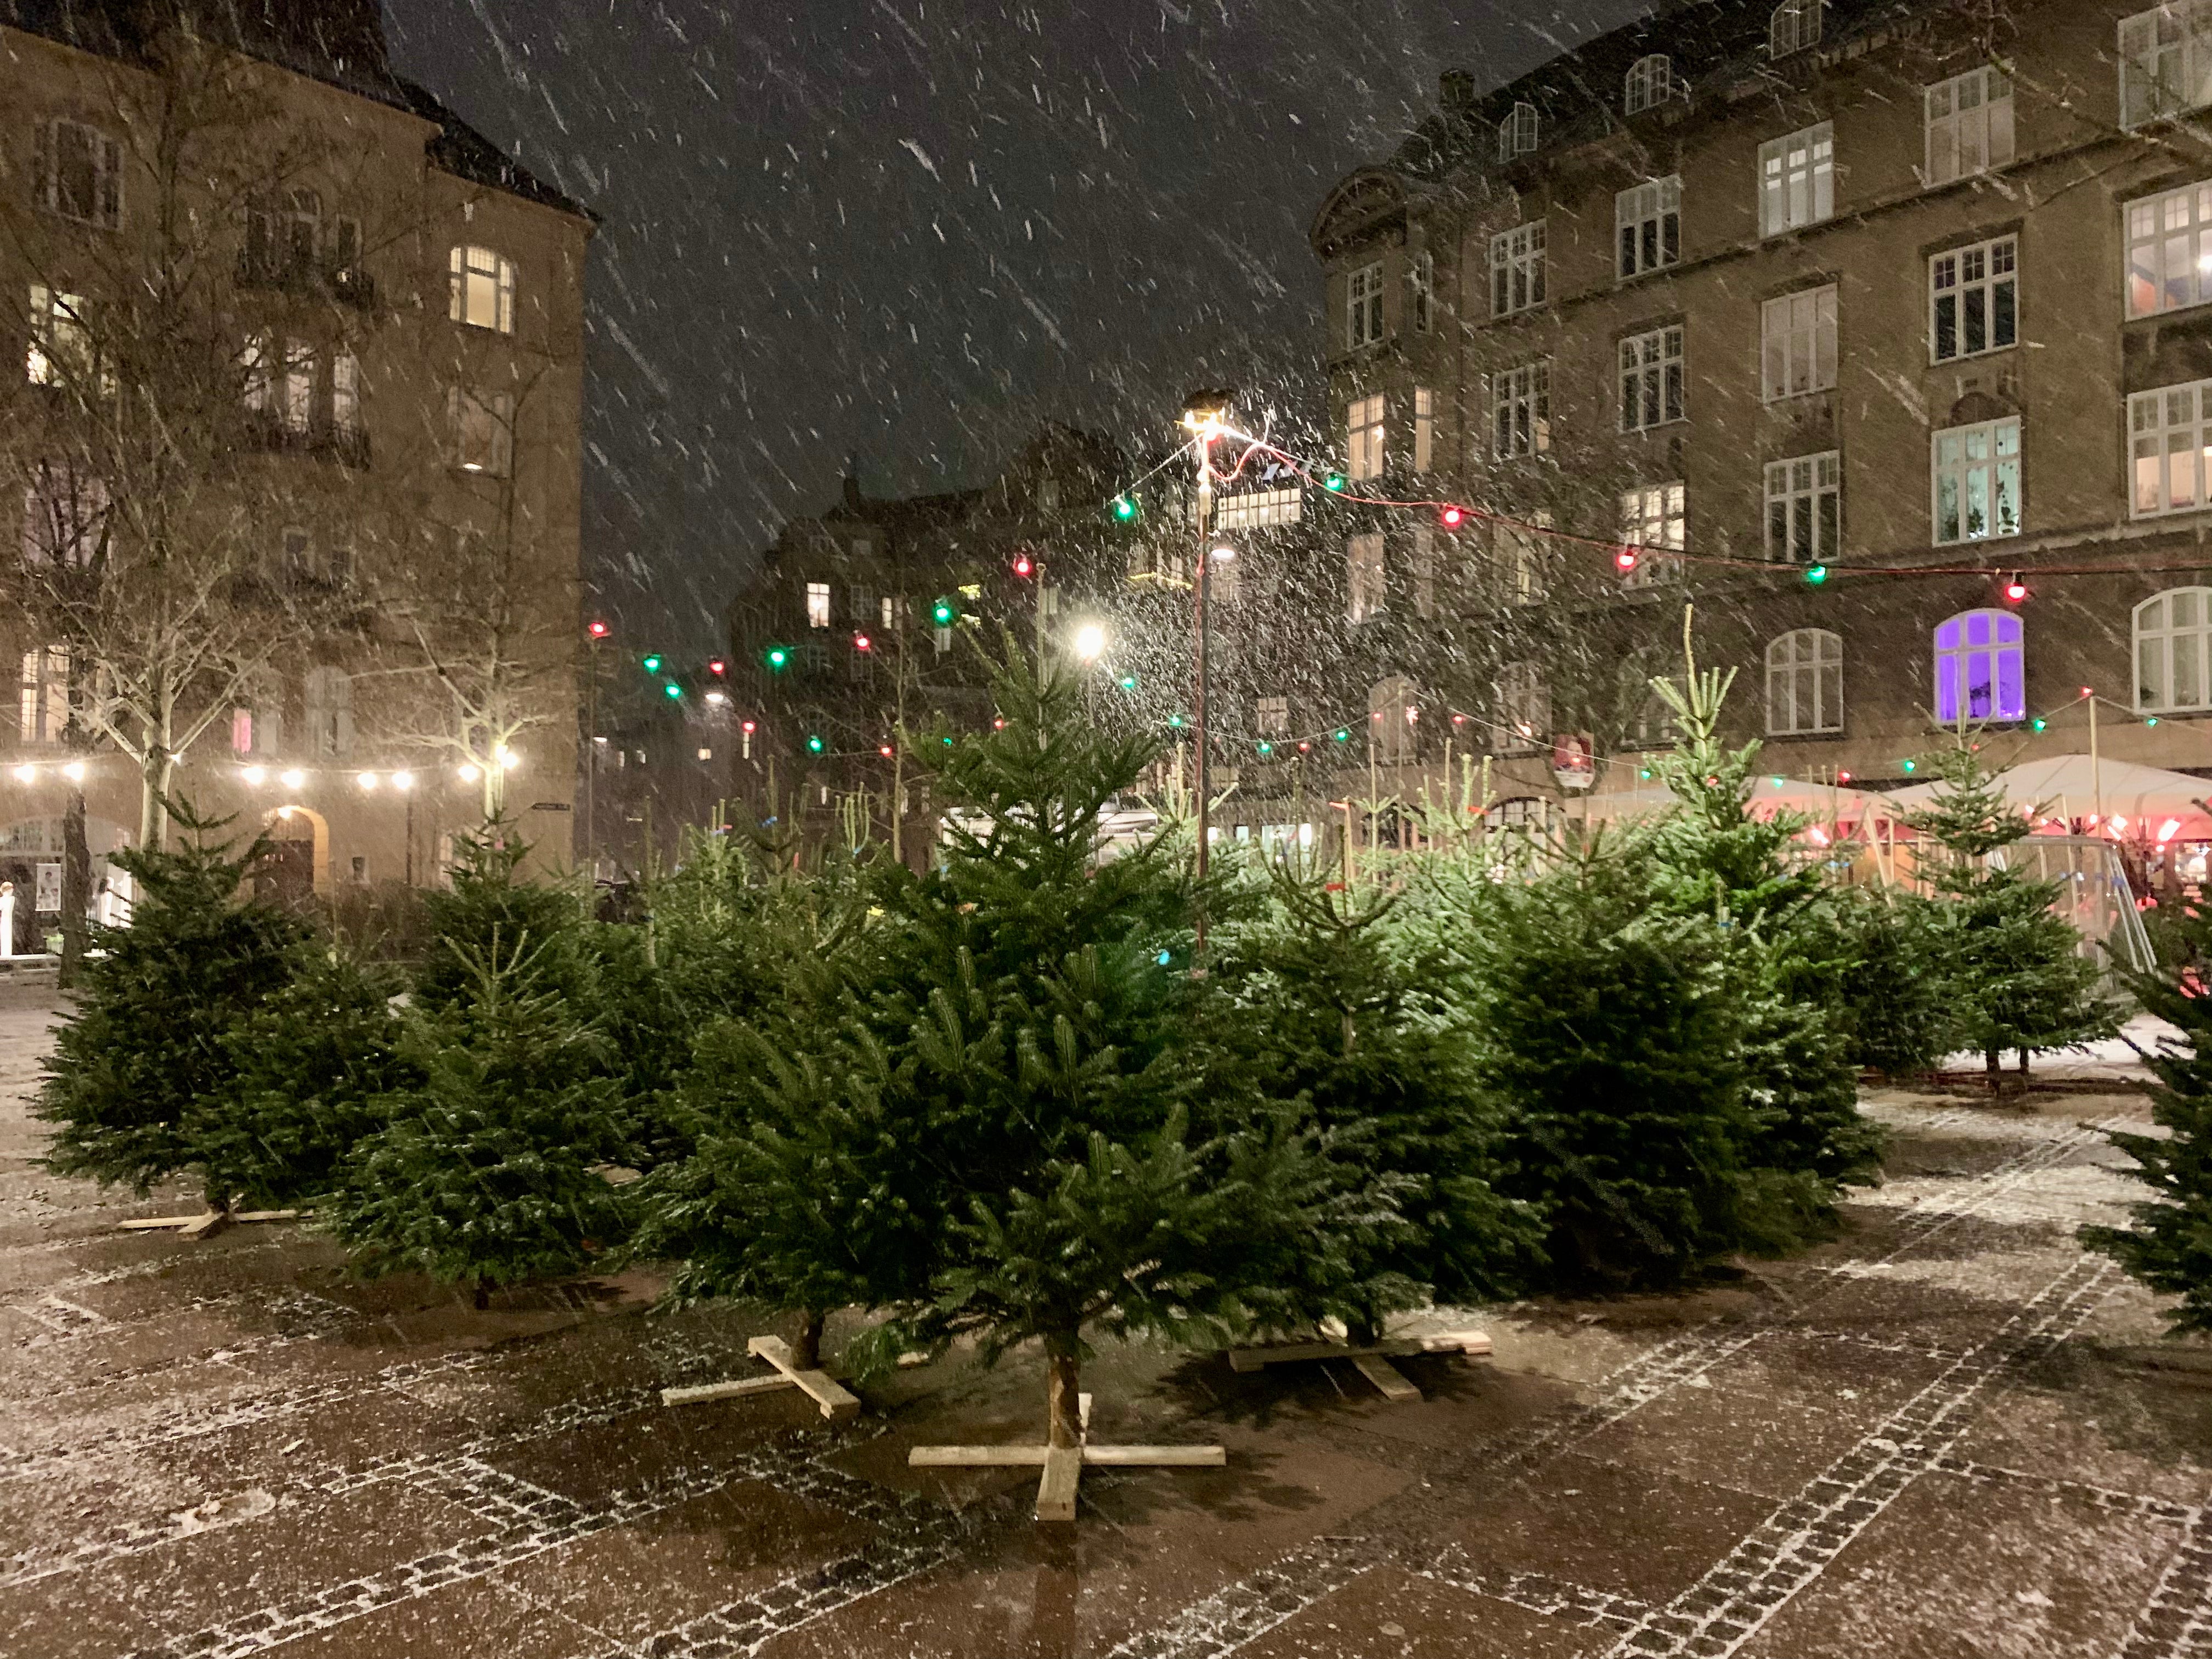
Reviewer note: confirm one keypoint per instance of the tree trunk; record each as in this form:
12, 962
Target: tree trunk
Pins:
482, 1296
1364, 1332
2023, 1066
1062, 1398
1993, 1064
806, 1352
76, 887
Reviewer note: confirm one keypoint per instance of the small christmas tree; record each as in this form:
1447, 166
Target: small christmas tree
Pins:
1893, 1010
149, 1038
488, 1171
485, 900
2014, 970
2169, 1248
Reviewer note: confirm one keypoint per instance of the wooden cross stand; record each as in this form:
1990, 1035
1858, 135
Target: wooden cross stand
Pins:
1063, 1465
203, 1225
1371, 1361
837, 1403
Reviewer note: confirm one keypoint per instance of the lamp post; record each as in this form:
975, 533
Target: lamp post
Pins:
1204, 413
596, 630
1090, 645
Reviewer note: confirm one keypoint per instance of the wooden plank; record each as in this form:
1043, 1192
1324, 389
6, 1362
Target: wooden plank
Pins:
1252, 1359
158, 1223
1063, 1471
1386, 1377
268, 1215
206, 1227
692, 1397
975, 1457
835, 1401
1475, 1344
1157, 1457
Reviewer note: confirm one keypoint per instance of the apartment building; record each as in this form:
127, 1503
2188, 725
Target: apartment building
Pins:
1880, 331
290, 461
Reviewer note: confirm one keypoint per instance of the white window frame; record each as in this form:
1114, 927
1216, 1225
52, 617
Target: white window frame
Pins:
1647, 222
104, 210
1975, 285
1794, 26
61, 346
1797, 348
1523, 556
1797, 180
1363, 306
1524, 709
1654, 522
1366, 576
1425, 428
327, 699
1363, 436
1516, 270
818, 604
483, 431
2169, 468
1421, 290
1805, 683
2169, 241
480, 291
2166, 61
1253, 510
1805, 508
43, 694
2173, 657
1272, 714
1649, 83
1982, 464
1968, 121
345, 394
1517, 132
1520, 411
1652, 391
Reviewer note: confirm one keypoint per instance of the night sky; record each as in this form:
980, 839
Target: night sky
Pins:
906, 232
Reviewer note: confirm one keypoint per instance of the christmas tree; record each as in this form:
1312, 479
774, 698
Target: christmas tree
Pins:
486, 900
149, 1038
2169, 1248
1892, 1007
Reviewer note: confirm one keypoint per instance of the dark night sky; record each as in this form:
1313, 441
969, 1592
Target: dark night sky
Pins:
908, 229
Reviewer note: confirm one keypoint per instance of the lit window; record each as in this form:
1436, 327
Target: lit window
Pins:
1424, 428
1363, 318
1976, 476
1648, 226
1516, 270
817, 606
1649, 83
890, 606
1516, 133
296, 387
1797, 343
345, 394
1973, 300
1393, 718
2166, 61
1274, 716
64, 516
1364, 437
1524, 708
1797, 180
1251, 508
1804, 509
2168, 434
481, 293
1364, 576
327, 696
80, 173
1653, 523
2174, 651
60, 353
255, 371
2169, 250
1969, 120
1521, 412
1650, 378
483, 431
1793, 27
1980, 668
1805, 682
1524, 559
44, 701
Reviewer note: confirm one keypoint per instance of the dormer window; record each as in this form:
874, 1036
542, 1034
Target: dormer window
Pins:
1650, 83
1516, 133
1795, 26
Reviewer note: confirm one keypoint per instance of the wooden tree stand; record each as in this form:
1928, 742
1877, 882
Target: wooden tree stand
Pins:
1063, 1465
837, 1403
206, 1224
1371, 1361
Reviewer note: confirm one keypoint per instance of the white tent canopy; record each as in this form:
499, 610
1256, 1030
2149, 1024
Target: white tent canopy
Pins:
1822, 803
2138, 802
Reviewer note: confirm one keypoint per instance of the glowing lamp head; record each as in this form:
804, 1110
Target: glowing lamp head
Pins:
1124, 508
508, 759
26, 773
1912, 766
1452, 518
2015, 591
1223, 555
814, 745
1089, 641
942, 613
1267, 748
403, 781
1625, 559
1025, 566
1816, 574
748, 728
1334, 482
717, 698
1342, 734
597, 629
671, 691
717, 667
2038, 723
468, 771
294, 779
862, 642
885, 749
653, 663
368, 781
777, 658
253, 774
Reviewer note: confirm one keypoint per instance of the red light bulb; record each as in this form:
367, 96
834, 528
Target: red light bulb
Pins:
1625, 559
2015, 590
1452, 518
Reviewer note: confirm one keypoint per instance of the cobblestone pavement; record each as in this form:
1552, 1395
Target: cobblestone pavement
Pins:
1947, 1433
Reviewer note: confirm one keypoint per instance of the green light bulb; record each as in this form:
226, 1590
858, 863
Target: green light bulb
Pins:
1816, 574
2040, 723
1124, 508
814, 745
1911, 767
1267, 748
1334, 480
653, 664
1341, 734
1128, 682
673, 690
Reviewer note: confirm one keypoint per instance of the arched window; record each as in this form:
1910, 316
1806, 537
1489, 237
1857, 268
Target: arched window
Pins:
1805, 682
329, 700
1980, 668
1516, 133
1794, 26
481, 293
1524, 709
2174, 651
1650, 83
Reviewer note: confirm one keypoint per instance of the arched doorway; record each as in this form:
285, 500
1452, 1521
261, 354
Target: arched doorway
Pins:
291, 871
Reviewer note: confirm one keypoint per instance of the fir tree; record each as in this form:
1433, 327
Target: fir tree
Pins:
148, 1041
488, 1171
2169, 1248
485, 900
1893, 1008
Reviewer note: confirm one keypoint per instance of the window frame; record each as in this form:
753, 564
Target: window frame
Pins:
1366, 576
1524, 708
1799, 38
1421, 290
1664, 507
1365, 435
816, 596
1964, 471
1993, 90
1800, 486
2158, 402
1998, 292
1650, 84
1954, 667
1653, 378
45, 707
1363, 303
1780, 173
2160, 237
55, 314
1517, 133
1806, 316
495, 413
106, 176
1647, 227
463, 275
2162, 699
1425, 428
1520, 411
2192, 51
1517, 270
1789, 666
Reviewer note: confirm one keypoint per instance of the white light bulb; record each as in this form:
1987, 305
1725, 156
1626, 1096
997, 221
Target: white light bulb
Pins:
1090, 640
1225, 553
255, 774
367, 780
403, 781
74, 771
293, 778
27, 774
469, 774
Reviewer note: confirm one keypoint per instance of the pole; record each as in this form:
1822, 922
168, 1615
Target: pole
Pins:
410, 836
1200, 440
590, 767
2096, 771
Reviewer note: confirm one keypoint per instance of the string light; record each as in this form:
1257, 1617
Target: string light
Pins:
368, 781
1452, 518
255, 774
1623, 560
2015, 591
293, 778
1816, 574
1125, 509
468, 772
27, 774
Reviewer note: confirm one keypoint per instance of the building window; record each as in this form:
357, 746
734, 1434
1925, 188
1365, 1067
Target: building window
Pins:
1425, 570
483, 431
1392, 718
1275, 716
80, 172
345, 395
942, 639
1516, 270
1797, 343
2169, 250
64, 516
2173, 652
1804, 509
2168, 434
1650, 378
327, 698
1524, 559
1797, 180
1421, 290
818, 604
1425, 428
2166, 61
1252, 508
295, 402
61, 352
1805, 683
1977, 481
1969, 125
1653, 523
1364, 437
1363, 318
1648, 223
1521, 412
482, 290
1516, 133
1524, 708
1793, 27
44, 701
1649, 83
1980, 668
1973, 300
1364, 576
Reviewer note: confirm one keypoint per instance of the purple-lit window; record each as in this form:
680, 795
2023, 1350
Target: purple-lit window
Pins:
1980, 669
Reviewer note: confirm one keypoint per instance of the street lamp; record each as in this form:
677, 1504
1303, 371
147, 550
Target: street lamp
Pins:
1205, 414
1089, 641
